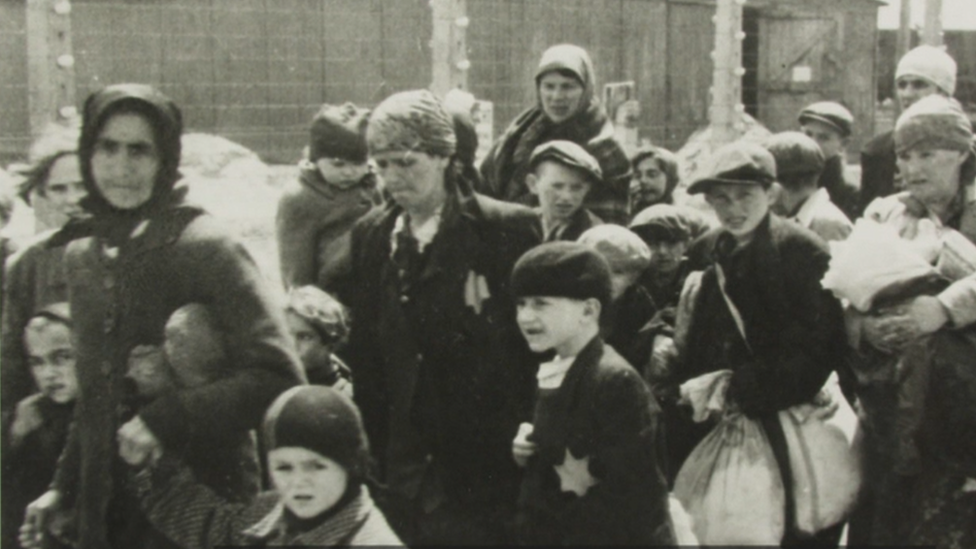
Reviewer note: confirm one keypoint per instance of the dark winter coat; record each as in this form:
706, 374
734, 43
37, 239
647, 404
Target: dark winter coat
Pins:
604, 416
443, 377
626, 326
313, 223
505, 166
194, 517
843, 192
128, 271
794, 327
34, 279
29, 462
581, 221
878, 171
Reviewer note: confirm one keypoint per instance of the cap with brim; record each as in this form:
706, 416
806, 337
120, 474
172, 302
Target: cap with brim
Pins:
739, 163
796, 155
831, 114
569, 154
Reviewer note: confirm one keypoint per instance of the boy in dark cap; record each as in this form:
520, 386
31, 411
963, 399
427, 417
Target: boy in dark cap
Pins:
561, 173
758, 309
799, 163
591, 455
830, 125
334, 189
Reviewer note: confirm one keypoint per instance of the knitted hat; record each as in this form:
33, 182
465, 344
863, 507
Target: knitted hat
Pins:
323, 420
935, 121
339, 132
623, 250
833, 114
670, 223
569, 154
795, 155
562, 269
411, 121
738, 163
932, 64
322, 311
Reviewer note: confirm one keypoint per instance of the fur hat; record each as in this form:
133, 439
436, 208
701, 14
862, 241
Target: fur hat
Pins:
562, 269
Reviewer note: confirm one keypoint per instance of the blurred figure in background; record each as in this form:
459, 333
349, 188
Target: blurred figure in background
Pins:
655, 176
830, 125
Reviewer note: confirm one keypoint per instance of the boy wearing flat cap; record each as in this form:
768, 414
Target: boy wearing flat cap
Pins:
799, 163
561, 174
757, 309
591, 454
830, 124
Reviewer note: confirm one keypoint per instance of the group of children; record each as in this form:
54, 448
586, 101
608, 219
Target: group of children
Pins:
599, 299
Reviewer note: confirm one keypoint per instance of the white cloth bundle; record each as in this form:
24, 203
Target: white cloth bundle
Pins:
874, 258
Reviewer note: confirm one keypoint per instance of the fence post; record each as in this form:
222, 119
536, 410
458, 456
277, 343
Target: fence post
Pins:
725, 114
449, 51
50, 63
932, 32
904, 28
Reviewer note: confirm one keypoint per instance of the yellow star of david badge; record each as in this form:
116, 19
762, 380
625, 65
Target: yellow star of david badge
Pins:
574, 474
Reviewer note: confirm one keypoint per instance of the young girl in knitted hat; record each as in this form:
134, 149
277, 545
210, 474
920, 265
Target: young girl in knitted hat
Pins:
335, 188
318, 460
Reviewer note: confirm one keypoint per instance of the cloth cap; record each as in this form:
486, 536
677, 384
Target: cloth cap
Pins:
738, 163
323, 420
669, 222
322, 311
562, 269
932, 64
569, 154
795, 154
339, 132
411, 121
624, 251
833, 114
934, 121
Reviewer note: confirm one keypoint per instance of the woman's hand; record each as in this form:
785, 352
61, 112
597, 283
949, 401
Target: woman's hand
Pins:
895, 328
36, 518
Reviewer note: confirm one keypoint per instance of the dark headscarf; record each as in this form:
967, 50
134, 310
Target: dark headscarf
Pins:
507, 163
164, 117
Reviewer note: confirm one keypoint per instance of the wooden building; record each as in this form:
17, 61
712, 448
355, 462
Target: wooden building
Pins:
256, 70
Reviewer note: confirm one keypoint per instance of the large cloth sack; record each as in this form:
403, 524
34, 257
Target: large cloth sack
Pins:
824, 444
730, 486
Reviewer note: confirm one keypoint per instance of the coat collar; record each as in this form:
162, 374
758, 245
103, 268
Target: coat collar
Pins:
566, 399
810, 206
332, 532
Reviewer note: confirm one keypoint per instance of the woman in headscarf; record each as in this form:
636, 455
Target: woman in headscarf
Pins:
655, 176
915, 362
567, 109
143, 254
442, 374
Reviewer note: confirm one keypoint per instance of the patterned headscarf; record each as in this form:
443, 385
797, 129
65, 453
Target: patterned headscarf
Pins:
411, 121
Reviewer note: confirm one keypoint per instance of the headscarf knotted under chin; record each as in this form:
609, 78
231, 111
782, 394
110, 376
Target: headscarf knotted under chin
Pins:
411, 121
166, 120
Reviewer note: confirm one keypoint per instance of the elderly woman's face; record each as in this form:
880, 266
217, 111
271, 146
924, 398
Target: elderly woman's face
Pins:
931, 175
561, 96
414, 179
126, 161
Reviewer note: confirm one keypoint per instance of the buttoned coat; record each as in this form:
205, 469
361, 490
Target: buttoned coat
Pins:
444, 359
604, 415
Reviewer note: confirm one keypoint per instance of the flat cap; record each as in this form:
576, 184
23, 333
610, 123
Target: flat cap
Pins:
569, 154
738, 163
833, 114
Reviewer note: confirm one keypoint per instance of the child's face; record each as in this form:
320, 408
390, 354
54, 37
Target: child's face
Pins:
551, 322
740, 208
561, 190
620, 281
666, 255
341, 171
308, 482
312, 351
51, 354
831, 142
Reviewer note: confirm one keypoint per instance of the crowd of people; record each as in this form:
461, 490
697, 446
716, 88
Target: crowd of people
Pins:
514, 352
